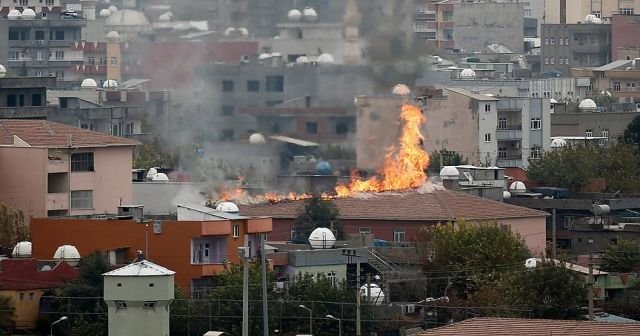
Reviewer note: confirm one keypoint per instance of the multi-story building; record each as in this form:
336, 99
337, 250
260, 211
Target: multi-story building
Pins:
434, 22
197, 246
51, 169
38, 40
624, 32
621, 79
575, 11
566, 46
476, 26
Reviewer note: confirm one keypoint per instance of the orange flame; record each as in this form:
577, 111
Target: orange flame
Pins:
404, 167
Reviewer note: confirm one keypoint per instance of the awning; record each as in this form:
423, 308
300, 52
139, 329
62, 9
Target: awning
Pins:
299, 142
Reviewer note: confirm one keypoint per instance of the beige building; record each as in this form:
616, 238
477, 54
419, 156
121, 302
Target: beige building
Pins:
620, 78
138, 297
51, 169
574, 11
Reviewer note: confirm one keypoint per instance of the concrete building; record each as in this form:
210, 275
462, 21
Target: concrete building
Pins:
574, 11
197, 249
38, 42
567, 46
562, 89
63, 170
601, 126
138, 297
477, 26
624, 29
434, 23
25, 281
620, 78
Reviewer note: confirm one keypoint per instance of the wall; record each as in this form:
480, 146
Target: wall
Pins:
27, 308
377, 129
477, 25
23, 172
340, 270
576, 124
624, 33
589, 46
161, 198
532, 230
110, 182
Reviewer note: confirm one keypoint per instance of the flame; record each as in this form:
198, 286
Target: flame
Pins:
404, 167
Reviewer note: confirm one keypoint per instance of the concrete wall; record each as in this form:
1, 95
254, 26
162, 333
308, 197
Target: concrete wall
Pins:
161, 198
23, 172
576, 124
589, 46
339, 270
110, 182
27, 308
624, 33
477, 25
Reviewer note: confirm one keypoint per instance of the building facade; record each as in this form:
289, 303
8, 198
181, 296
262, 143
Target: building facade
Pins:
566, 46
624, 29
476, 26
574, 11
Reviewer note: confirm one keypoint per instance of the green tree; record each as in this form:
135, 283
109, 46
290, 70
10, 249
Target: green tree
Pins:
12, 227
88, 310
445, 157
455, 254
622, 257
548, 291
317, 212
631, 134
7, 324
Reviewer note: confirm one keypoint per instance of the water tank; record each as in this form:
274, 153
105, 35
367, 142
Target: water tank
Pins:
449, 173
600, 209
257, 139
243, 31
228, 207
22, 250
322, 238
294, 15
229, 31
467, 74
587, 105
113, 36
531, 263
112, 9
324, 168
264, 56
302, 60
68, 253
557, 143
506, 195
517, 187
160, 177
326, 59
401, 90
151, 173
3, 71
309, 14
165, 17
14, 14
89, 84
377, 295
28, 14
104, 13
110, 84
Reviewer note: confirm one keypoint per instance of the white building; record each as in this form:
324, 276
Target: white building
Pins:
138, 297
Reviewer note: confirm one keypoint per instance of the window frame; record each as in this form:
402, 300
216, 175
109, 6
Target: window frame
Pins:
397, 232
76, 198
82, 164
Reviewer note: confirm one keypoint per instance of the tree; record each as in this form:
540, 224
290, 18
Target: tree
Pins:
631, 135
548, 291
7, 324
454, 254
12, 227
622, 257
314, 213
445, 157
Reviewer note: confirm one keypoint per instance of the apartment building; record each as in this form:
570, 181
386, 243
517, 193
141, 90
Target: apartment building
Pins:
566, 46
37, 39
574, 11
624, 36
433, 21
51, 169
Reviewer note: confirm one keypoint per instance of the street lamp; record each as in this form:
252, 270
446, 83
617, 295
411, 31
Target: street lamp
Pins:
310, 318
64, 318
339, 323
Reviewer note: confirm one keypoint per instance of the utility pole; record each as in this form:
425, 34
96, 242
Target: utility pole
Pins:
265, 306
245, 286
553, 234
369, 287
590, 293
358, 331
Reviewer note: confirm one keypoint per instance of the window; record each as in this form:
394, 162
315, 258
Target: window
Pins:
616, 86
631, 86
236, 231
502, 123
21, 100
119, 284
36, 99
398, 235
59, 75
293, 232
128, 129
91, 60
82, 199
14, 35
566, 60
12, 100
447, 16
226, 135
626, 11
59, 55
487, 137
502, 152
227, 86
536, 152
342, 128
81, 162
31, 295
551, 60
333, 279
546, 60
114, 61
39, 35
275, 83
364, 230
121, 305
59, 35
560, 59
151, 284
312, 127
546, 41
552, 41
149, 305
227, 110
536, 123
40, 55
116, 130
487, 107
560, 41
253, 86
588, 133
21, 296
597, 14
605, 133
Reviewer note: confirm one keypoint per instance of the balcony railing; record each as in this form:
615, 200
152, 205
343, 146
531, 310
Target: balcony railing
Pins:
57, 201
509, 132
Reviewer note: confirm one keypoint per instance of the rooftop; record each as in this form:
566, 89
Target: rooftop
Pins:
42, 133
438, 205
25, 274
615, 65
473, 95
140, 268
533, 327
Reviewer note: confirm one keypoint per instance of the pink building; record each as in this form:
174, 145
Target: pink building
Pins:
51, 169
624, 37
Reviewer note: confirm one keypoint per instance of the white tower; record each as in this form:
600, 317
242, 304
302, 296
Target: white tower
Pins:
138, 297
352, 18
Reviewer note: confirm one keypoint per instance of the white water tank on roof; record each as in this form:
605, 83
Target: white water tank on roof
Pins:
309, 14
113, 36
68, 253
229, 207
401, 90
112, 9
449, 173
294, 15
264, 56
587, 105
467, 74
3, 71
531, 263
517, 187
151, 173
14, 14
302, 60
104, 12
557, 143
28, 14
257, 139
22, 250
244, 31
110, 84
326, 59
377, 295
322, 238
160, 177
89, 83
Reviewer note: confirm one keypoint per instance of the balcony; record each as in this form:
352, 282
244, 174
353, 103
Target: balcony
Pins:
57, 201
207, 270
509, 132
57, 165
24, 112
67, 23
510, 160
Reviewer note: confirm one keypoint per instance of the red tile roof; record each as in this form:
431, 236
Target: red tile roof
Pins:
513, 326
439, 205
42, 133
23, 274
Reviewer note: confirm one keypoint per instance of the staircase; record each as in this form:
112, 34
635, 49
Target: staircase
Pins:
387, 268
